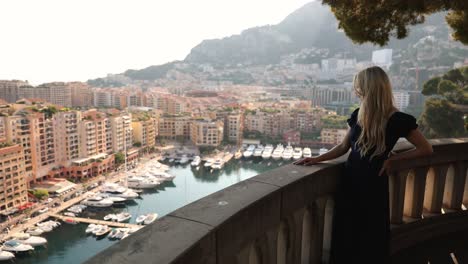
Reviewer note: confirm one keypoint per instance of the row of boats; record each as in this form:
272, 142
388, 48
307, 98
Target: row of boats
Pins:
27, 241
280, 152
112, 233
123, 217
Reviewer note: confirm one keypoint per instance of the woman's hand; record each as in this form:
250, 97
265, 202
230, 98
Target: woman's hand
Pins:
306, 161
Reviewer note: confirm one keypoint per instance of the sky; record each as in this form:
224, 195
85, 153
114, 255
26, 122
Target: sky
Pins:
77, 40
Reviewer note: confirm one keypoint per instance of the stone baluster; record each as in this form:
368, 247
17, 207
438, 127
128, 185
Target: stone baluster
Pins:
397, 186
414, 194
318, 226
455, 186
435, 183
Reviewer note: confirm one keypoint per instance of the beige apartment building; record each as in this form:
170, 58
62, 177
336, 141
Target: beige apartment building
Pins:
333, 136
66, 135
174, 126
58, 93
168, 104
81, 94
9, 90
206, 133
122, 132
94, 134
144, 132
13, 185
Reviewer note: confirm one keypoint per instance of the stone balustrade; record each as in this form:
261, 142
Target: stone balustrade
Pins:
285, 215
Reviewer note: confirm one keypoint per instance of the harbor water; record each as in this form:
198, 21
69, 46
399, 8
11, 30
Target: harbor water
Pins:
69, 243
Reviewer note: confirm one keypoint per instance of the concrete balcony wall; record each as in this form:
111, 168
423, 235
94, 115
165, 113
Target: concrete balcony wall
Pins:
285, 215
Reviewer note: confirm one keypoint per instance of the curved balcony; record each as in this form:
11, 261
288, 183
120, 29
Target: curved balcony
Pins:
285, 216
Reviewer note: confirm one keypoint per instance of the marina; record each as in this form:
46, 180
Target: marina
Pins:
94, 221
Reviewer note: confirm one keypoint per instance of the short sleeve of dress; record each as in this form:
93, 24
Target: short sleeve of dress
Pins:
406, 124
353, 118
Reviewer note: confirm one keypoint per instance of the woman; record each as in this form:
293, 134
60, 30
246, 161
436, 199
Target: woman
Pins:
361, 225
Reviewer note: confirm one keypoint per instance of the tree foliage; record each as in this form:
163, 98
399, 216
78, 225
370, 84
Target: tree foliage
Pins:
440, 119
377, 21
119, 158
40, 193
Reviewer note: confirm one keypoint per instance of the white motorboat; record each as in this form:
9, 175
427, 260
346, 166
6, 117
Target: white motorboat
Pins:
267, 152
75, 209
35, 231
297, 154
27, 239
208, 163
288, 153
161, 175
15, 246
150, 218
69, 214
112, 234
196, 161
184, 159
258, 151
278, 152
249, 151
140, 219
115, 190
5, 255
46, 228
102, 231
171, 160
307, 153
323, 151
142, 182
123, 217
90, 229
110, 217
97, 201
217, 165
114, 199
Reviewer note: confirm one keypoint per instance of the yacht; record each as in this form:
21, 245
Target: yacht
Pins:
102, 231
15, 246
184, 159
297, 154
69, 214
249, 151
91, 228
123, 217
307, 153
35, 231
150, 218
196, 161
217, 165
27, 239
208, 163
110, 217
97, 201
287, 153
278, 152
323, 151
267, 152
140, 219
164, 176
5, 255
76, 209
115, 190
258, 151
142, 183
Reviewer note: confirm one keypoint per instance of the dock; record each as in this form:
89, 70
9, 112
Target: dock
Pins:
95, 221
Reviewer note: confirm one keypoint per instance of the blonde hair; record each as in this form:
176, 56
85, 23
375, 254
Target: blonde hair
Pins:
373, 86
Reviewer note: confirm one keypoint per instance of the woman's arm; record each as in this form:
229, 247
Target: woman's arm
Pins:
422, 148
337, 151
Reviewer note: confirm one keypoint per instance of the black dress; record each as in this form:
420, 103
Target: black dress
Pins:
361, 226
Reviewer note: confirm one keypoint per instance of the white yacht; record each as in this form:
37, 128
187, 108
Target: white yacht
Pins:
27, 239
110, 217
161, 175
140, 219
102, 231
217, 165
208, 163
91, 227
123, 217
196, 161
5, 255
150, 218
307, 153
323, 151
142, 183
267, 152
278, 152
258, 151
115, 190
15, 246
97, 201
297, 154
249, 151
184, 159
287, 153
35, 231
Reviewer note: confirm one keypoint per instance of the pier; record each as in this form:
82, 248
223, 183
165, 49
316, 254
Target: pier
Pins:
94, 221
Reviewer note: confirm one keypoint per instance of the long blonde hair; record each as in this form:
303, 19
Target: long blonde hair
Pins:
373, 86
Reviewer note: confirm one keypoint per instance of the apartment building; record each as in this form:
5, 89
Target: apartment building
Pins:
332, 135
402, 99
309, 120
168, 104
9, 90
206, 132
13, 185
81, 94
66, 135
144, 131
94, 129
122, 132
174, 126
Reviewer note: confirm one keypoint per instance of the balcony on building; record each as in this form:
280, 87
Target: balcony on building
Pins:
285, 216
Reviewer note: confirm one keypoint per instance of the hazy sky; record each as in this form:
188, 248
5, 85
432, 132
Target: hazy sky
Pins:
65, 40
